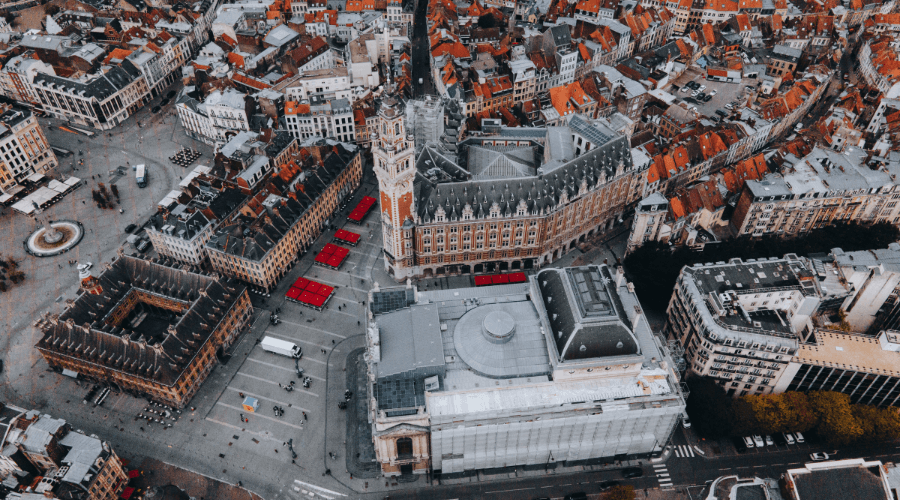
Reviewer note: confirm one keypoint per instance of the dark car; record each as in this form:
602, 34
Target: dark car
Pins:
577, 496
171, 94
130, 227
163, 102
739, 444
779, 439
707, 98
721, 113
155, 109
632, 472
605, 485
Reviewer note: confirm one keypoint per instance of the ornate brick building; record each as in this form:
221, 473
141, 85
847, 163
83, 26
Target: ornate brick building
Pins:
515, 198
154, 329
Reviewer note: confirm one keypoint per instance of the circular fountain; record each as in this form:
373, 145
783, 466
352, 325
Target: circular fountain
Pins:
54, 238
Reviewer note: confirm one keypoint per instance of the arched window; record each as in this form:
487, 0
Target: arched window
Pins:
396, 129
384, 129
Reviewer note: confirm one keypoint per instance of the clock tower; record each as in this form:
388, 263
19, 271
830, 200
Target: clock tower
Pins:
393, 152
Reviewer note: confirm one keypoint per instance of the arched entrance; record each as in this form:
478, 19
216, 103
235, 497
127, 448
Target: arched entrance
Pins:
404, 448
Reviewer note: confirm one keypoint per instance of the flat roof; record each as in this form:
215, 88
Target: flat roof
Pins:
842, 482
850, 351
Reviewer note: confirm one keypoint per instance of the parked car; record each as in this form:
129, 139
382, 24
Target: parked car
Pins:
713, 92
631, 472
769, 440
686, 422
818, 457
707, 98
779, 439
155, 109
729, 106
701, 88
799, 437
721, 113
605, 485
788, 437
130, 227
171, 94
577, 496
758, 441
748, 442
715, 119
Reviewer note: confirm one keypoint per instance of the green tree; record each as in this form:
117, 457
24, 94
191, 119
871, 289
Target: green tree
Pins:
709, 408
620, 492
837, 424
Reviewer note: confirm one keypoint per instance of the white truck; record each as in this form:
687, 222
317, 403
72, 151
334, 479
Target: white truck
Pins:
281, 347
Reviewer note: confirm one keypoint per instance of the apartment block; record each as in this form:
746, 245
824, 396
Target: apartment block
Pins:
270, 232
819, 189
149, 329
320, 117
70, 464
24, 149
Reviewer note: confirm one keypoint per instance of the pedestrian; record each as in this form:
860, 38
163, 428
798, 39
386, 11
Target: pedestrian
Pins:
241, 394
332, 341
280, 386
304, 415
142, 428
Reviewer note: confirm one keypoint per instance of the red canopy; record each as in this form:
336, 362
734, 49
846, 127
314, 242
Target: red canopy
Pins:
133, 474
517, 277
482, 280
127, 492
346, 237
313, 294
499, 279
361, 209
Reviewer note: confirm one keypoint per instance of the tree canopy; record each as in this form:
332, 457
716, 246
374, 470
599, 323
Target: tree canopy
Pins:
829, 414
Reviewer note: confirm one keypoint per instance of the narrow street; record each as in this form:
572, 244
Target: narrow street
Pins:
421, 57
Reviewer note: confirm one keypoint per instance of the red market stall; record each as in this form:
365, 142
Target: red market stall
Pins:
332, 256
310, 293
346, 237
361, 210
127, 492
500, 279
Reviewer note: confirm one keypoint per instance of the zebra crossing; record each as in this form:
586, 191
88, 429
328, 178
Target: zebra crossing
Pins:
684, 451
662, 475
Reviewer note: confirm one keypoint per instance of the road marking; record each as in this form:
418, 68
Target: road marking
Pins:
659, 466
663, 475
275, 383
507, 491
259, 415
258, 396
684, 451
318, 488
285, 369
312, 328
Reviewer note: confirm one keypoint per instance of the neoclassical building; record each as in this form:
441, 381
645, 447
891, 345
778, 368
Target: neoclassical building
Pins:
561, 369
509, 198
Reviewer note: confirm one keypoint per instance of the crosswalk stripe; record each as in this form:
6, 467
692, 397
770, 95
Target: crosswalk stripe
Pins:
659, 466
662, 475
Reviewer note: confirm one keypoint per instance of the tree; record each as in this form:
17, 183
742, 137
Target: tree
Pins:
620, 492
878, 424
837, 425
744, 419
800, 415
487, 21
709, 408
51, 9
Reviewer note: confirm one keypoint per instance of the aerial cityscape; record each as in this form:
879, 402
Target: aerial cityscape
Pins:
450, 249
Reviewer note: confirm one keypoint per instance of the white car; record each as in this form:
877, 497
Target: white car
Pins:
748, 442
818, 457
729, 106
788, 437
701, 88
686, 422
758, 441
769, 440
713, 92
